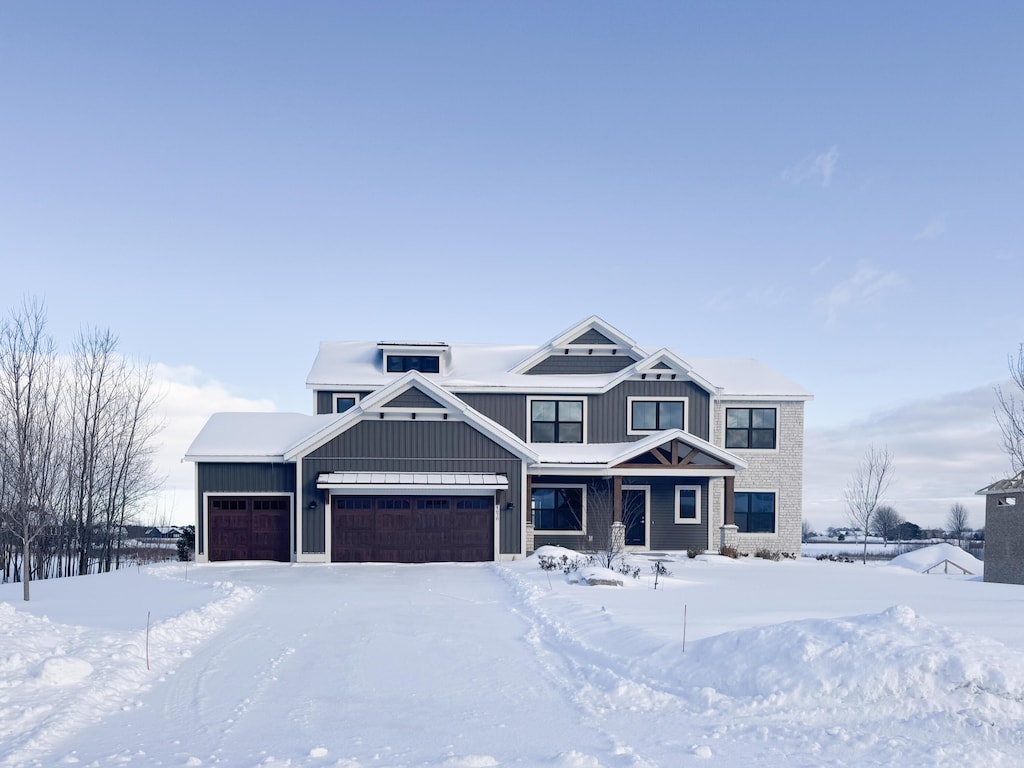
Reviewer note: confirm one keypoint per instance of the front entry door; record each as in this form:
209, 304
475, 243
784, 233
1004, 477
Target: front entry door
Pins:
634, 515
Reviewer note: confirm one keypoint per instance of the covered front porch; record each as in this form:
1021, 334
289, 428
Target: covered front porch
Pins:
656, 493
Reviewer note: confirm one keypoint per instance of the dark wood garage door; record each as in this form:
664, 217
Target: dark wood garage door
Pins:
250, 528
412, 529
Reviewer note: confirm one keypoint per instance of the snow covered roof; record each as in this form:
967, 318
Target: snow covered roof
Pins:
607, 455
1013, 484
254, 436
354, 365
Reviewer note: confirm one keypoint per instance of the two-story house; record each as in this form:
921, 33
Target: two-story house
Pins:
429, 451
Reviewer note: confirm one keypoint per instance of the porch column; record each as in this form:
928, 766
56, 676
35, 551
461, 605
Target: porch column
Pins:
528, 545
730, 500
617, 499
529, 500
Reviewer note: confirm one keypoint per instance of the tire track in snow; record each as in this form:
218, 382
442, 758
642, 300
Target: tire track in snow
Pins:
115, 687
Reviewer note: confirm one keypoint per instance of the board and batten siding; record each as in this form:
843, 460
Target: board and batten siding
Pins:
580, 364
507, 410
413, 446
665, 532
607, 417
239, 478
606, 413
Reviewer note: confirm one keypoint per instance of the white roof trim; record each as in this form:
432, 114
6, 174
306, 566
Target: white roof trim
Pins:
452, 404
406, 481
633, 449
561, 340
678, 365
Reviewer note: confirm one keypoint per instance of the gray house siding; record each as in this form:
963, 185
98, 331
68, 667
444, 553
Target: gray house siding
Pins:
593, 336
1004, 539
240, 477
665, 532
413, 398
507, 410
325, 399
581, 364
413, 446
607, 415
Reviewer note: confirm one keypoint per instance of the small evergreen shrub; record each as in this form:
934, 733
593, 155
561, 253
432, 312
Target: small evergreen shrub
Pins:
692, 553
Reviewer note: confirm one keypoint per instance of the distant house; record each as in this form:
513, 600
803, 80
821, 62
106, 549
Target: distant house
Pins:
423, 451
162, 532
1004, 530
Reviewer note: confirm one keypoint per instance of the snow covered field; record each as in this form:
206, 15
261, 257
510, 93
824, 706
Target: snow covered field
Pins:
795, 663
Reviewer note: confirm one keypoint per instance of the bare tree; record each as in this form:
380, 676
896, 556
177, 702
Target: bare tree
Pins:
1009, 411
958, 523
30, 436
887, 523
866, 488
806, 531
601, 514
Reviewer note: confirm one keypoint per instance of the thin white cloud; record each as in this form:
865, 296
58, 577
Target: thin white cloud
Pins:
815, 168
944, 449
933, 230
821, 265
866, 285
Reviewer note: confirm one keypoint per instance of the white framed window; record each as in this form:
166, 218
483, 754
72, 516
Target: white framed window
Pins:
559, 509
645, 415
344, 400
752, 428
688, 504
556, 419
755, 511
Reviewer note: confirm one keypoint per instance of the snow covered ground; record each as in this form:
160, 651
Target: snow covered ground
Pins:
794, 663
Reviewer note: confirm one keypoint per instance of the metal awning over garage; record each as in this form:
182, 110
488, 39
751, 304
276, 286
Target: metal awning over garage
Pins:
407, 482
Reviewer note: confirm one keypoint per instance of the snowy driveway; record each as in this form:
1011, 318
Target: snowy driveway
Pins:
483, 665
360, 665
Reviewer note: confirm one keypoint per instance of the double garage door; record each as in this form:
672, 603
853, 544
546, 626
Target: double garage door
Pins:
412, 529
250, 528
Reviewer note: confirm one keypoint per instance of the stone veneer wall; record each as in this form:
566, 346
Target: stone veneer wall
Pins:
780, 470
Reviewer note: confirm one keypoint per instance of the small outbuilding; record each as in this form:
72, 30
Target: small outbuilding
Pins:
1004, 530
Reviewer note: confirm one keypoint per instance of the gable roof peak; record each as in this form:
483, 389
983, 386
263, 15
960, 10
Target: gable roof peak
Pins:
608, 337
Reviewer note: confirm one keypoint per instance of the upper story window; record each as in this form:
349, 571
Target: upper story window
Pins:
421, 363
750, 428
422, 356
345, 401
556, 421
654, 414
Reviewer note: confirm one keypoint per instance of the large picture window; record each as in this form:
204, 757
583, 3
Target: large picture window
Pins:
755, 511
558, 509
750, 428
556, 421
653, 415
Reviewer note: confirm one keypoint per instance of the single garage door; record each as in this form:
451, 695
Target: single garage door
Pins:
249, 528
412, 529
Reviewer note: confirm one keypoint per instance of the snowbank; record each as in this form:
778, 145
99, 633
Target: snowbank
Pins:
920, 560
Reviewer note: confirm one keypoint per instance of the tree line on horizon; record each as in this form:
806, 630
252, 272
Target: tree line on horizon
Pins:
77, 442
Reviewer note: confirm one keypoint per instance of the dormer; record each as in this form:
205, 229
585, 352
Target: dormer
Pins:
591, 346
665, 365
427, 357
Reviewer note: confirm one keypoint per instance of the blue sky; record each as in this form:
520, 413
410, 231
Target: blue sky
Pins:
835, 190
